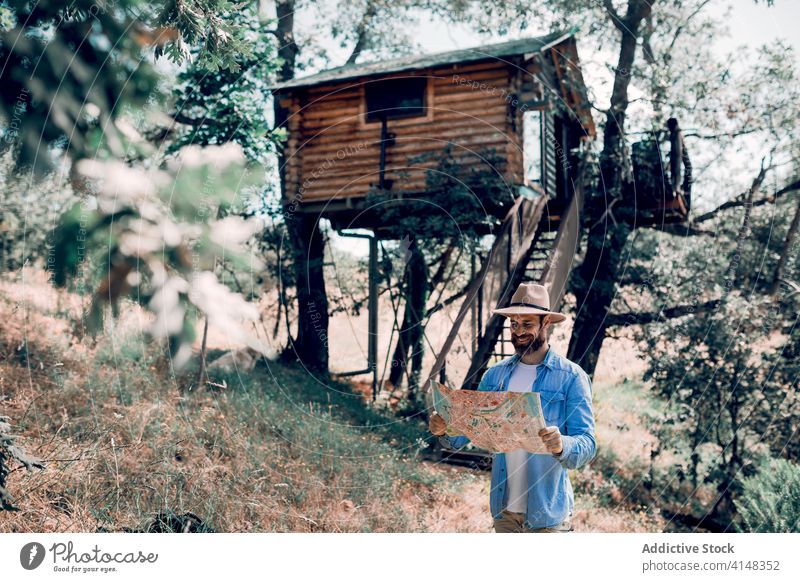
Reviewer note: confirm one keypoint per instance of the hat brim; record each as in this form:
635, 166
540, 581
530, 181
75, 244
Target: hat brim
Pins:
520, 310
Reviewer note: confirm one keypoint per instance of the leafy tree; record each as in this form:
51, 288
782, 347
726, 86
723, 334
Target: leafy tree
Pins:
29, 212
154, 239
227, 105
148, 233
70, 69
722, 311
662, 49
727, 365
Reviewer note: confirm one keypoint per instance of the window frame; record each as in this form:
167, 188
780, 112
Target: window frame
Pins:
427, 104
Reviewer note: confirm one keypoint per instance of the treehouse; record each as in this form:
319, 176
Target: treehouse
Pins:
506, 121
517, 110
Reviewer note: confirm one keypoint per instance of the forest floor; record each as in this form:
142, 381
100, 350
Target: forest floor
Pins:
129, 444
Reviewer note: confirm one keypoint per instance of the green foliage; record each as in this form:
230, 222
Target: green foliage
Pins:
28, 214
770, 500
211, 27
70, 69
157, 236
228, 105
66, 68
710, 369
462, 200
728, 372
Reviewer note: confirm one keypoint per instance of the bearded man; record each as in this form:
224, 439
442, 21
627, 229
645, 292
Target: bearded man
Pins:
531, 492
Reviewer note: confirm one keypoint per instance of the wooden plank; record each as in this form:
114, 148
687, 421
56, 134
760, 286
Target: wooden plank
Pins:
444, 120
351, 84
468, 68
367, 164
333, 142
413, 178
499, 74
441, 112
471, 295
406, 179
562, 256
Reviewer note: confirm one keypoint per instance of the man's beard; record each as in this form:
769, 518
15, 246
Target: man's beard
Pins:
527, 345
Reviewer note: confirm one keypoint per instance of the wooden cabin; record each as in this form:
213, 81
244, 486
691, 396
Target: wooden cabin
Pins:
385, 125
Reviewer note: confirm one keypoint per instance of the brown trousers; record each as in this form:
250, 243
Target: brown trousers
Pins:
513, 523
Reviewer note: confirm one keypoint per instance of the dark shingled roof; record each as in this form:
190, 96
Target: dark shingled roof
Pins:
407, 63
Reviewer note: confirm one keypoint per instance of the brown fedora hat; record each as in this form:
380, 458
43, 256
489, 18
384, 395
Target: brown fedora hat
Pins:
530, 299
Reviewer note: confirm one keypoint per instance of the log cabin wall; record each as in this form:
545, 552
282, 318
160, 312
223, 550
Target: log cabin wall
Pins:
334, 150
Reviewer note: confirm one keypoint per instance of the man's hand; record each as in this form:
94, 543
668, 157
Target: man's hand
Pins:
551, 437
437, 425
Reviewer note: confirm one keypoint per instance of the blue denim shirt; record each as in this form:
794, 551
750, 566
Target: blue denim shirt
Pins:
566, 395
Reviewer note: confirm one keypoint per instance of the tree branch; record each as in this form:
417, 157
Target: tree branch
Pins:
742, 199
681, 27
615, 17
732, 274
643, 318
684, 230
715, 136
452, 299
362, 31
185, 120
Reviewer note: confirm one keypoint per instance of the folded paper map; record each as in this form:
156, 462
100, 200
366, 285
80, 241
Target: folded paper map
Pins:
495, 421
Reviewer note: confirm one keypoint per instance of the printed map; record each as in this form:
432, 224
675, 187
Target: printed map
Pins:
495, 421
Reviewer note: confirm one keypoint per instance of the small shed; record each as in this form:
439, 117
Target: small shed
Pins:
384, 125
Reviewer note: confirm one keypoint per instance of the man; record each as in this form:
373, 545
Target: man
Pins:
532, 493
680, 166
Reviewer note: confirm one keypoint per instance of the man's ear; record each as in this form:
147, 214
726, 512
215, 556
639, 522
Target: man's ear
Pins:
547, 320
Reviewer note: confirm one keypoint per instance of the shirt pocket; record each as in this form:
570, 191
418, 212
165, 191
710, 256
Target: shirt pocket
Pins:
553, 407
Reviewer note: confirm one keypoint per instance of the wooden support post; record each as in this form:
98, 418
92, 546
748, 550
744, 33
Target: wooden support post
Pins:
372, 345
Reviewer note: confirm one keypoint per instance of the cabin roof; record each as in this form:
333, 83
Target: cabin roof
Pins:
414, 62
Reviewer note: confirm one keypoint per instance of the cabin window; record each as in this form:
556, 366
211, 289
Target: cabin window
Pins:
532, 148
396, 98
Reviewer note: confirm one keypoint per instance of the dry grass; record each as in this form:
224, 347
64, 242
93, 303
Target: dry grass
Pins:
122, 441
275, 451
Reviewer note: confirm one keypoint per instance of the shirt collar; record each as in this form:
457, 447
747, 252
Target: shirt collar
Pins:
548, 362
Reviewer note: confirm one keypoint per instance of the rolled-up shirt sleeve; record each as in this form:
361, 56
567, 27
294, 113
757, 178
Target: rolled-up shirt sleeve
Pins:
579, 446
453, 442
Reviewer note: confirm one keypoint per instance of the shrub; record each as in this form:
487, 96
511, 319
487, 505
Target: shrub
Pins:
770, 500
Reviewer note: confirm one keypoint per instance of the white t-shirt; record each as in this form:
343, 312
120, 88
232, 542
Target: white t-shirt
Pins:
517, 461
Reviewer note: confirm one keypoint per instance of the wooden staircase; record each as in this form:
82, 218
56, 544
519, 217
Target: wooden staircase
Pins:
534, 270
535, 244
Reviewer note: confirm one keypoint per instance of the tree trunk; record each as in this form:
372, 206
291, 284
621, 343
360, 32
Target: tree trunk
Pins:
410, 337
287, 48
311, 344
594, 290
594, 284
362, 30
304, 237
